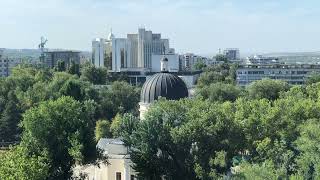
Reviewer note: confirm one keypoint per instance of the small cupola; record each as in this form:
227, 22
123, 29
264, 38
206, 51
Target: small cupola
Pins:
164, 65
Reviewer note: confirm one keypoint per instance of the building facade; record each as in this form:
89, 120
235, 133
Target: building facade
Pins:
232, 54
6, 64
102, 51
259, 59
130, 53
119, 167
135, 51
295, 74
52, 57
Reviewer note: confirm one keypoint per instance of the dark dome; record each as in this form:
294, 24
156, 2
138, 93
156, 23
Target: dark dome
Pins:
165, 85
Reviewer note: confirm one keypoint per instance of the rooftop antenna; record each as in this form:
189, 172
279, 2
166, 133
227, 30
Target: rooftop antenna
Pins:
41, 47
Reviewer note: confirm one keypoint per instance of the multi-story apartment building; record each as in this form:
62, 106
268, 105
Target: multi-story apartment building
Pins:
291, 73
232, 54
6, 64
52, 57
187, 61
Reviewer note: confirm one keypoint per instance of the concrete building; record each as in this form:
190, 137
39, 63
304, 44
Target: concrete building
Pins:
119, 167
259, 59
52, 57
6, 64
135, 51
102, 51
232, 54
187, 61
295, 74
98, 52
138, 55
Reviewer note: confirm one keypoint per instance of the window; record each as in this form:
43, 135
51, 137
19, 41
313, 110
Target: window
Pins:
118, 175
132, 177
122, 55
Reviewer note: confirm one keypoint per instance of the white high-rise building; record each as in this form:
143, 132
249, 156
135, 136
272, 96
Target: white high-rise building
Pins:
135, 52
102, 51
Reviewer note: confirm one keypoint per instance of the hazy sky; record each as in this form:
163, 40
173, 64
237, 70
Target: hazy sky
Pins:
199, 26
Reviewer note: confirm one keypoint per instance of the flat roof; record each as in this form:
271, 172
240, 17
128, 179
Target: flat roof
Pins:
259, 66
63, 51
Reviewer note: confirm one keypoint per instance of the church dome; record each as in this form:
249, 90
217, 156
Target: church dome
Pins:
163, 85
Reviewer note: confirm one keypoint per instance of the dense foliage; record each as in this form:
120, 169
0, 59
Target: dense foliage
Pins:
197, 139
53, 114
268, 130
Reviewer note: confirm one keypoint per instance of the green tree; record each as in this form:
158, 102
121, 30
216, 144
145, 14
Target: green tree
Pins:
221, 57
65, 129
21, 78
225, 73
61, 66
10, 118
263, 171
277, 152
124, 126
73, 88
199, 65
17, 164
219, 92
313, 78
121, 97
267, 88
97, 76
74, 68
308, 145
174, 137
102, 129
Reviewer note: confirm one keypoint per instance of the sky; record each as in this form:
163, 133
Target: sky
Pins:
198, 26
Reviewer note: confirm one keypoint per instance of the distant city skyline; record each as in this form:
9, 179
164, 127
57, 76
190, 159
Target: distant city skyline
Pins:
200, 27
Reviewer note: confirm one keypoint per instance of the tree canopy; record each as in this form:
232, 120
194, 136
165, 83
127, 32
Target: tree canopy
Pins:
65, 129
268, 130
53, 115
